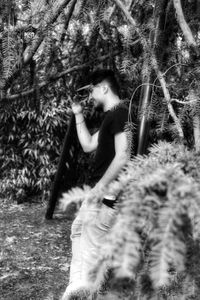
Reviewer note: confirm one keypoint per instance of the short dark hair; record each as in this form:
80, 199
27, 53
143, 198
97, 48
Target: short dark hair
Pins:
105, 74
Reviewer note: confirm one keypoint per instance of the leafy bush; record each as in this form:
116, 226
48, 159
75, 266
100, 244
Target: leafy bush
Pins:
31, 144
153, 240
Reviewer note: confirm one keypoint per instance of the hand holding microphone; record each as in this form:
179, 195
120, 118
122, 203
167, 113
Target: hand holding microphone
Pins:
76, 108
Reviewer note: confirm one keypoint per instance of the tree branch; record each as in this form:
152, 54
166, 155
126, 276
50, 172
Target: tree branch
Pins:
127, 14
196, 131
71, 10
51, 18
183, 24
131, 5
167, 97
183, 102
193, 97
58, 76
39, 37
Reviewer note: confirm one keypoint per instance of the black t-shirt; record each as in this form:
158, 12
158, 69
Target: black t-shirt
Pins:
115, 121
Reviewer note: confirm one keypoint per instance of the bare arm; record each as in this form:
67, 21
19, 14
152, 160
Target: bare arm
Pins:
88, 142
120, 159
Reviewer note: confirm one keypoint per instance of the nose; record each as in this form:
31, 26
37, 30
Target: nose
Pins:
90, 96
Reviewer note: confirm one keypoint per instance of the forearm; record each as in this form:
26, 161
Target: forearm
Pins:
83, 133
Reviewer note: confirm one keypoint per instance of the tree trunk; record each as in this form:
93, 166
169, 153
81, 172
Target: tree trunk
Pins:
145, 96
196, 128
65, 159
144, 125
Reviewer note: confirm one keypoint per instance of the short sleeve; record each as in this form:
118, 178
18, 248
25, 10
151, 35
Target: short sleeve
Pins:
119, 120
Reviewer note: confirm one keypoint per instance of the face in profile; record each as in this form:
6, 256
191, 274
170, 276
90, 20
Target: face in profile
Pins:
97, 95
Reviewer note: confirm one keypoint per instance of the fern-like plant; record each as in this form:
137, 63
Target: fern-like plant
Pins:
157, 198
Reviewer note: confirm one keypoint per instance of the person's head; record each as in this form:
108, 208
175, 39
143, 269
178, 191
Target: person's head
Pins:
103, 85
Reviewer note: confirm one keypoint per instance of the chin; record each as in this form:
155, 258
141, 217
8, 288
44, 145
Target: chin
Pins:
98, 104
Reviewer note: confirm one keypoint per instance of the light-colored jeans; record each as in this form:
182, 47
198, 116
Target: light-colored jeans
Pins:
88, 234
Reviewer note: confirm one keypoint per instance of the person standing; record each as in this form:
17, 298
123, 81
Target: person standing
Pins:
112, 145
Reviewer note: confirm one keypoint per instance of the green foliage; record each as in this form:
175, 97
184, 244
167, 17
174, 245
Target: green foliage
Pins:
30, 156
158, 217
98, 28
31, 144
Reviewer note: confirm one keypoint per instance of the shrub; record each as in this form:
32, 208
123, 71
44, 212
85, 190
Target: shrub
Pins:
157, 223
31, 145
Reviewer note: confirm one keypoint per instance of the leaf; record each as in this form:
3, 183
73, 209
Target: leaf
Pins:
168, 246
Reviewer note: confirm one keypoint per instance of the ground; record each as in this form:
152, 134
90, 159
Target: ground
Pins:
34, 253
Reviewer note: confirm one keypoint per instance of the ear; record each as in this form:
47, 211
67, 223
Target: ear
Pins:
105, 88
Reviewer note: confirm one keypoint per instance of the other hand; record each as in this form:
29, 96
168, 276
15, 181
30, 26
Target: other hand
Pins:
76, 108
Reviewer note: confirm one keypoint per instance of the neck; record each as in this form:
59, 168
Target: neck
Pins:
111, 102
